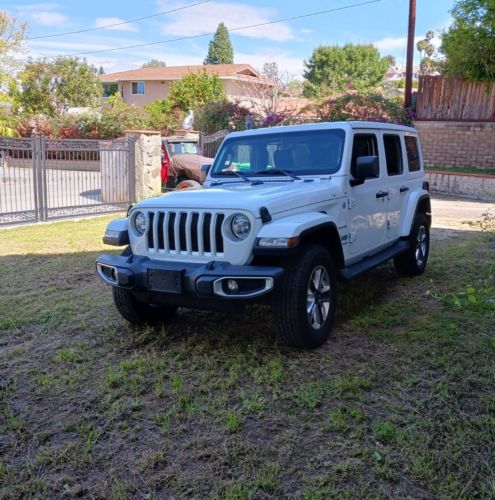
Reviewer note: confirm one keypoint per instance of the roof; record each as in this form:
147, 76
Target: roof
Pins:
177, 72
306, 127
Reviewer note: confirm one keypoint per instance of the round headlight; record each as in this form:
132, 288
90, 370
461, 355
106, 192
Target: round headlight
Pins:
241, 227
140, 222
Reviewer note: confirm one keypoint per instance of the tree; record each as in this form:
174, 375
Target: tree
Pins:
50, 87
220, 50
391, 61
335, 69
426, 52
101, 71
195, 90
469, 44
12, 34
154, 63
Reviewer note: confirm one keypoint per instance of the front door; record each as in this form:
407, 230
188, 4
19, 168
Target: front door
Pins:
367, 206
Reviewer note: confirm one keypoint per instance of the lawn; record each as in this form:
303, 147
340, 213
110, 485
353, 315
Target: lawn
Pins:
400, 402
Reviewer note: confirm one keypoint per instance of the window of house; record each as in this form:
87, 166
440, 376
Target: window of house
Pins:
137, 88
412, 151
393, 154
110, 89
363, 145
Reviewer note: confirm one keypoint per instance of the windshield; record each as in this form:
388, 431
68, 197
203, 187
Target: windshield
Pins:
314, 152
180, 148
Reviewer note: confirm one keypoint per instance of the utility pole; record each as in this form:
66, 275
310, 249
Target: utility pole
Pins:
410, 53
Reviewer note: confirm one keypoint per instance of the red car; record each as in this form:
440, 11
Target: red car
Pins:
172, 174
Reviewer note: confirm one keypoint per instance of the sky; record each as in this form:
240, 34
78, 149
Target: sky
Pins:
289, 43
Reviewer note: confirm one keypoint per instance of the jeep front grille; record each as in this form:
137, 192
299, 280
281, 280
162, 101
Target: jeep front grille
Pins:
185, 232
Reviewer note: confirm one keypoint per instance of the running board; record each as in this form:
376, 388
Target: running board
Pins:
355, 270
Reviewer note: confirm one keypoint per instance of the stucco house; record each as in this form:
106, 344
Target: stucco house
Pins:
145, 85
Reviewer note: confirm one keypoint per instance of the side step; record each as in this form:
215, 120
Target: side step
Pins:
355, 270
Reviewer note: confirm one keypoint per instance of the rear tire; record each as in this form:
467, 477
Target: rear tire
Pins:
188, 184
136, 312
413, 261
304, 309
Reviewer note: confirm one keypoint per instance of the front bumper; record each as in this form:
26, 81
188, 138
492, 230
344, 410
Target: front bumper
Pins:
215, 280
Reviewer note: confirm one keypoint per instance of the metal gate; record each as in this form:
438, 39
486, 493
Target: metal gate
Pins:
210, 143
43, 179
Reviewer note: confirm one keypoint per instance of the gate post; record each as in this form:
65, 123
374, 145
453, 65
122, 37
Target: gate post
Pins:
39, 177
131, 167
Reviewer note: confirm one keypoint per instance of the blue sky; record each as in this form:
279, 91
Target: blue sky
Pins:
383, 23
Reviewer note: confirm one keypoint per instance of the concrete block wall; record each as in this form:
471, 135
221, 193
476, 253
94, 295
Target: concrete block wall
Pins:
457, 144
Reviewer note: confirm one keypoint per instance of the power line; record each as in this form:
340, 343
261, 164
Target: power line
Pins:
120, 23
311, 14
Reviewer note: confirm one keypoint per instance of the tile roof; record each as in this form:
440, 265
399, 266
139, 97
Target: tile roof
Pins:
177, 72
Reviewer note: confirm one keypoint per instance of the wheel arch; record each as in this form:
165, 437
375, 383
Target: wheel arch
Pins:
418, 203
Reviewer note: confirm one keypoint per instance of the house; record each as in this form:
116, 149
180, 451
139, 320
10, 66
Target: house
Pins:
145, 85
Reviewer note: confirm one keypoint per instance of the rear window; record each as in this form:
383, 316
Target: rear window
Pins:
393, 154
412, 151
180, 148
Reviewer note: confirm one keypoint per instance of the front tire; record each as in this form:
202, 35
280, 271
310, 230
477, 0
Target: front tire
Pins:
136, 312
304, 309
413, 261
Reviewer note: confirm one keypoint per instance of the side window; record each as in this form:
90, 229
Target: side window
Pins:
363, 145
393, 154
412, 151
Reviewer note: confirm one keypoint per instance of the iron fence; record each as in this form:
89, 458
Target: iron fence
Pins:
43, 179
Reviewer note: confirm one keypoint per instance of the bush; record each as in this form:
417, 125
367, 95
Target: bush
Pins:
195, 90
221, 115
164, 116
369, 107
115, 117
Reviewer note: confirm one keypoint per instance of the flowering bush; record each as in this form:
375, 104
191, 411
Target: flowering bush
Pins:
110, 123
221, 115
369, 107
274, 119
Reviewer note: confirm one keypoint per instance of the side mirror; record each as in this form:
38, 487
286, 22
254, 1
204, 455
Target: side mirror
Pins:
204, 172
367, 167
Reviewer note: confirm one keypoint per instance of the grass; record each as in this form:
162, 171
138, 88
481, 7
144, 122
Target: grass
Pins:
462, 170
398, 403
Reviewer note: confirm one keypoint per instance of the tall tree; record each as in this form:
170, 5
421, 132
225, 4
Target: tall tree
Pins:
469, 44
220, 50
426, 51
12, 34
334, 69
101, 71
50, 87
154, 63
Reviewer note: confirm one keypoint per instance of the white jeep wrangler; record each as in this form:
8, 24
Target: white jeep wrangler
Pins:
283, 214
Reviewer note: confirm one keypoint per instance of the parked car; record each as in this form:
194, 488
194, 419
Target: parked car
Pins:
284, 213
181, 162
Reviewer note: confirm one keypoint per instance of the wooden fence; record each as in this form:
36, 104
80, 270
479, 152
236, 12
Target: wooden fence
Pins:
455, 99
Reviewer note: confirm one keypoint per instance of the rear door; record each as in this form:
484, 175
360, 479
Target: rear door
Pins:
397, 186
367, 203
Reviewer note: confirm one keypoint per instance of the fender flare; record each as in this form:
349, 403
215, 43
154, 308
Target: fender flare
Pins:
412, 209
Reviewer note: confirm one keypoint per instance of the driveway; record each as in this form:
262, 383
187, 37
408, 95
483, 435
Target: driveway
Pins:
452, 214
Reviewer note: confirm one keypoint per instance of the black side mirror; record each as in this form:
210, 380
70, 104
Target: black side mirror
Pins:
204, 172
367, 167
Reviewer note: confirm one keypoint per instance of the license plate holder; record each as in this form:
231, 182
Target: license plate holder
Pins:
165, 280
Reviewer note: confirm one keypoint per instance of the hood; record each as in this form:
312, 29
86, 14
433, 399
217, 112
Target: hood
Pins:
276, 196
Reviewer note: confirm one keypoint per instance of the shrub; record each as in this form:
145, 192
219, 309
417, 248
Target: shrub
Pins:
195, 90
163, 116
221, 115
355, 106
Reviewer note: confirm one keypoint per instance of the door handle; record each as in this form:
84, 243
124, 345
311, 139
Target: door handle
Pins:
403, 189
382, 194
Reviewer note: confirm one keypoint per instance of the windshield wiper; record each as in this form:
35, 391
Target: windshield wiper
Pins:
244, 177
275, 171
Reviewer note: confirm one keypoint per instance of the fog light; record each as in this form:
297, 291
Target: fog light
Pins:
232, 286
